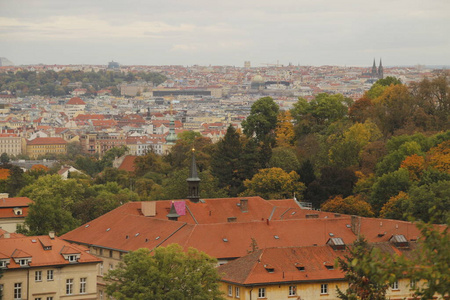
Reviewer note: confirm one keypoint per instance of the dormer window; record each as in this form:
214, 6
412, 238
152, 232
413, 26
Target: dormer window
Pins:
23, 262
72, 258
399, 241
18, 211
336, 243
4, 263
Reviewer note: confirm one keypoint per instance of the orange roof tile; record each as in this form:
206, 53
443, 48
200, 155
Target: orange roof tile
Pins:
47, 141
128, 163
75, 101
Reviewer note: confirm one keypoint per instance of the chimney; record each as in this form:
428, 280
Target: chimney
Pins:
51, 234
6, 235
356, 225
244, 205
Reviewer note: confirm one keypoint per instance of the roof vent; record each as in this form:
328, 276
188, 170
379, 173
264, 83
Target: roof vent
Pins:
276, 237
157, 238
225, 240
108, 229
331, 234
293, 213
136, 234
348, 226
87, 225
146, 240
126, 237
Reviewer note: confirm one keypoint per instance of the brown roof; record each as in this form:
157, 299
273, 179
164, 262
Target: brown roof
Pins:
47, 141
15, 202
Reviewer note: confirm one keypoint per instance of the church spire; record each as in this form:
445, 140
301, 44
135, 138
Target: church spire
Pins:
193, 181
374, 69
380, 71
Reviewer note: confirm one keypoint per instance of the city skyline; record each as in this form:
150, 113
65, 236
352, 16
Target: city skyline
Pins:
187, 33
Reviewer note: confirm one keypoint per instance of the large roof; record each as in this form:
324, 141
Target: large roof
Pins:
221, 229
47, 141
42, 250
292, 264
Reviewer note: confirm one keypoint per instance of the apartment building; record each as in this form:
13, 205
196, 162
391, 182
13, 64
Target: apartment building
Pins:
46, 268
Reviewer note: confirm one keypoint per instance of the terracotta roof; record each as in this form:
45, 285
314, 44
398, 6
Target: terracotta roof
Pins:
128, 163
47, 141
32, 246
75, 101
292, 264
15, 202
128, 229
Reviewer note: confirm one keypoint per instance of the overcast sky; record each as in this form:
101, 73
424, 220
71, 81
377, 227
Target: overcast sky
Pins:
228, 32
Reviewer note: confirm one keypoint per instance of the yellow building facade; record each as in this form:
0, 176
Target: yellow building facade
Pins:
42, 146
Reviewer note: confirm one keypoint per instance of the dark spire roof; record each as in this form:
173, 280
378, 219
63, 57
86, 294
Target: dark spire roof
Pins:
380, 63
374, 64
193, 174
173, 215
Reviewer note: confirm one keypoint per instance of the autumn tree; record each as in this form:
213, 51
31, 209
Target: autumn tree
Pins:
285, 129
396, 207
351, 205
274, 183
284, 158
262, 120
167, 273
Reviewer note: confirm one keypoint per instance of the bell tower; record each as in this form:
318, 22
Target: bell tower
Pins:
193, 181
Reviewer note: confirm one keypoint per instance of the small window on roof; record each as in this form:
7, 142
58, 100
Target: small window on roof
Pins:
225, 240
108, 229
269, 268
276, 237
331, 234
87, 225
329, 267
300, 267
136, 234
157, 238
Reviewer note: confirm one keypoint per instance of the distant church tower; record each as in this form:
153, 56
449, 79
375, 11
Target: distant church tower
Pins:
380, 71
374, 69
193, 181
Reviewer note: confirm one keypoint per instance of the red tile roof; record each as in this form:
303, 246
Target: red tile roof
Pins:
75, 101
205, 227
15, 202
47, 141
128, 163
32, 247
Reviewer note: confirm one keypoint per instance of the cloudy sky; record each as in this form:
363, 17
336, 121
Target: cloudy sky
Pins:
187, 32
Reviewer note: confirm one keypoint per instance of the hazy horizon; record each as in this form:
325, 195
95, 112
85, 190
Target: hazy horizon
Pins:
174, 32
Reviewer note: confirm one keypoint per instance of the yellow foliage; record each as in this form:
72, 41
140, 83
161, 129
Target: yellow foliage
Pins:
285, 129
352, 205
439, 157
392, 209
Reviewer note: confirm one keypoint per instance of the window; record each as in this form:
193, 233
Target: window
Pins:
2, 264
412, 284
262, 293
292, 290
230, 290
49, 298
324, 288
110, 253
101, 269
101, 295
101, 251
38, 298
394, 285
49, 275
23, 262
72, 258
69, 286
83, 285
17, 291
38, 276
237, 292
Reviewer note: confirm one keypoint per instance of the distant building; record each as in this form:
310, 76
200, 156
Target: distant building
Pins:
375, 73
247, 64
41, 146
11, 144
135, 88
113, 65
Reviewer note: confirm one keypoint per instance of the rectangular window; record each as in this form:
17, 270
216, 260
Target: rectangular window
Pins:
83, 285
72, 258
49, 275
230, 290
292, 290
101, 295
23, 262
412, 284
110, 253
101, 269
394, 285
262, 293
49, 298
17, 291
237, 292
324, 288
38, 276
38, 298
69, 286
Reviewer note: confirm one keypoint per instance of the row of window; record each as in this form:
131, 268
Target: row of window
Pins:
38, 275
69, 286
293, 289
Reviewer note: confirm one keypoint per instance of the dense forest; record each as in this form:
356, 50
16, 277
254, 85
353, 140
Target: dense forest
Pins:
51, 83
385, 155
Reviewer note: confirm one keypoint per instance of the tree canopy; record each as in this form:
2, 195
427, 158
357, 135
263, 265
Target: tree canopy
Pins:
167, 273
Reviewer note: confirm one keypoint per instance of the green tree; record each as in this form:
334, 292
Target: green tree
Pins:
285, 159
430, 262
366, 273
4, 158
189, 136
54, 199
262, 120
274, 183
169, 274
